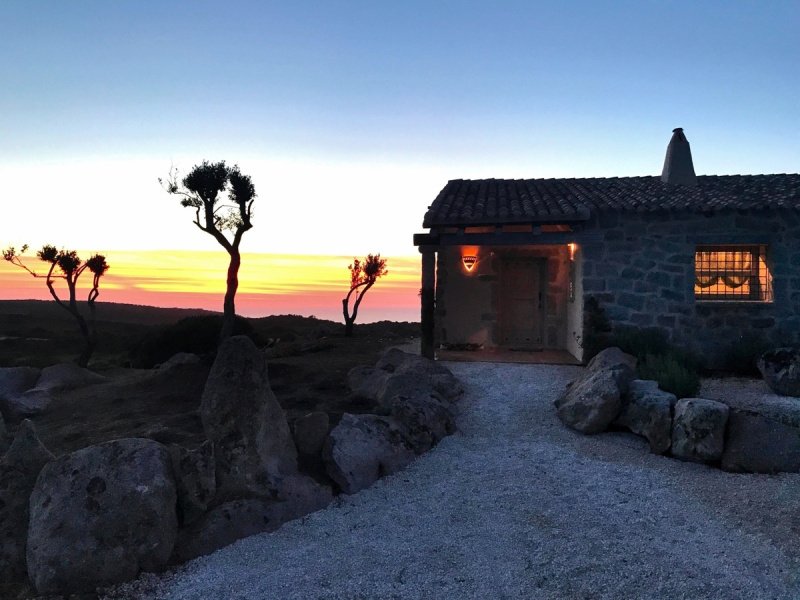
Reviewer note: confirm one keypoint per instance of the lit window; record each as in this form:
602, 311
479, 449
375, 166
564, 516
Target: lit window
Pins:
732, 273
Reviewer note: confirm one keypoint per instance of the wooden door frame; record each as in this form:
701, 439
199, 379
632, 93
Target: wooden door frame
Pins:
541, 261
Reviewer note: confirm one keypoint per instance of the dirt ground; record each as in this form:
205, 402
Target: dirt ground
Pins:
308, 362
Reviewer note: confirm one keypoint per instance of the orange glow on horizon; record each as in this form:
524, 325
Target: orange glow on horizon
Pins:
268, 283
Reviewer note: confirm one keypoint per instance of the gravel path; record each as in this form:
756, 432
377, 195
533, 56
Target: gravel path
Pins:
517, 506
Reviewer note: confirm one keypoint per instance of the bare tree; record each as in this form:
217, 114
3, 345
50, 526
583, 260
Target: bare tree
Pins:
67, 266
363, 276
202, 190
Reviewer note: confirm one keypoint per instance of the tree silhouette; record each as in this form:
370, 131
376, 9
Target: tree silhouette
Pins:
68, 266
201, 190
363, 276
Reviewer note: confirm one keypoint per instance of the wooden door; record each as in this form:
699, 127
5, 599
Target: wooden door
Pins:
521, 302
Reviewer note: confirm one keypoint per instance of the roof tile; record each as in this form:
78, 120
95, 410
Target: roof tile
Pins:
498, 201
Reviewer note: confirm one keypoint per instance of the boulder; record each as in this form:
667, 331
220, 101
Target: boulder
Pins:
592, 402
179, 359
398, 373
27, 404
19, 468
761, 443
647, 411
5, 439
612, 358
100, 515
424, 418
245, 423
362, 448
66, 376
310, 432
15, 380
698, 429
302, 495
366, 382
227, 523
195, 479
781, 370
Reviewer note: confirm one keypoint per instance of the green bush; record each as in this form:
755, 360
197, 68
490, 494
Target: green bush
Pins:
671, 372
198, 335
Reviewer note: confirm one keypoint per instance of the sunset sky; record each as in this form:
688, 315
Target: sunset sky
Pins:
350, 117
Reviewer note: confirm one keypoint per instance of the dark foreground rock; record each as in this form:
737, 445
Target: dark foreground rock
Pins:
100, 515
19, 468
592, 402
647, 411
399, 373
245, 423
195, 480
14, 382
237, 519
310, 432
698, 429
425, 419
363, 448
763, 443
781, 370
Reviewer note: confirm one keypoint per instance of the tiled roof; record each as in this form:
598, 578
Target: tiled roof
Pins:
497, 201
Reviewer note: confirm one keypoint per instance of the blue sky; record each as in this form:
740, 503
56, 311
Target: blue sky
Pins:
344, 110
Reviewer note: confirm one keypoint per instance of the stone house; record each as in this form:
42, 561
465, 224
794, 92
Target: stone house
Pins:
712, 260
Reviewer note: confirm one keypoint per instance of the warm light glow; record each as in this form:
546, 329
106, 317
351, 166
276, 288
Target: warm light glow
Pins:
572, 247
469, 261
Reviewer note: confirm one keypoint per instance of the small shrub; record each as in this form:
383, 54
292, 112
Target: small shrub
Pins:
198, 335
671, 373
740, 358
640, 342
596, 328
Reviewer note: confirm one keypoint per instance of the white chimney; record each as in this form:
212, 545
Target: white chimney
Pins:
678, 167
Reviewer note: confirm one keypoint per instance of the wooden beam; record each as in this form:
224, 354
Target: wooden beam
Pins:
427, 301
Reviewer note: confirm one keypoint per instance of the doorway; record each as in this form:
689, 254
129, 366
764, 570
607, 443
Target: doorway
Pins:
521, 308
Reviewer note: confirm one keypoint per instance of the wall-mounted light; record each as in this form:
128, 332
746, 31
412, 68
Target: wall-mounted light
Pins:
469, 260
572, 247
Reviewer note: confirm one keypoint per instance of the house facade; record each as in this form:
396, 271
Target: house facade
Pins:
713, 261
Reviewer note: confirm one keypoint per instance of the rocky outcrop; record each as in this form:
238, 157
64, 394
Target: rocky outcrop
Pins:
22, 400
647, 411
781, 370
592, 402
66, 376
100, 515
362, 448
767, 442
698, 429
15, 381
195, 480
245, 423
5, 439
19, 468
178, 360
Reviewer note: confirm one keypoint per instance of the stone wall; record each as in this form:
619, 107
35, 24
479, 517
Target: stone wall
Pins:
641, 270
467, 301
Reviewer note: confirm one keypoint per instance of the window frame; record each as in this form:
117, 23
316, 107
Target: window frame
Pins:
760, 275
